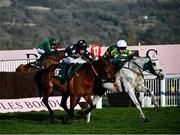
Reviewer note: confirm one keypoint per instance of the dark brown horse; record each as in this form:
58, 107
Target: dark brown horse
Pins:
49, 60
84, 83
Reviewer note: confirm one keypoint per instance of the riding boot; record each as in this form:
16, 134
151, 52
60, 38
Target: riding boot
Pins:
69, 72
41, 59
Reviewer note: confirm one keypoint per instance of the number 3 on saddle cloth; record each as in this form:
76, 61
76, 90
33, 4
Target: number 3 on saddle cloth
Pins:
36, 64
65, 71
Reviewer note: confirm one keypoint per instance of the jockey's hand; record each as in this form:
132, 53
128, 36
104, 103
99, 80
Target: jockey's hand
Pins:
130, 56
58, 47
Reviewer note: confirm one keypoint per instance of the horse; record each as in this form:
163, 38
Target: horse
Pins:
132, 78
51, 59
84, 83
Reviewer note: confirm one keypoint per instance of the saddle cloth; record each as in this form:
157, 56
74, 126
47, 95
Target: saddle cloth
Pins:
65, 71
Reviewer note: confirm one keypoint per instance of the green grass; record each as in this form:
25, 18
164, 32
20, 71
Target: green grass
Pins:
105, 121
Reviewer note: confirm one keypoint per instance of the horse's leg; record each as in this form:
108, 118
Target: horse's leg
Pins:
130, 90
90, 107
117, 84
64, 103
73, 102
64, 106
47, 93
152, 96
93, 103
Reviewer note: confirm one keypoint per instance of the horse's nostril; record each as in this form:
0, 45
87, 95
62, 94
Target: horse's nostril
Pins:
160, 70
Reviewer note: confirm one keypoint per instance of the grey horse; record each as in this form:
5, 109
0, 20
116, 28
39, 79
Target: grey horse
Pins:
131, 76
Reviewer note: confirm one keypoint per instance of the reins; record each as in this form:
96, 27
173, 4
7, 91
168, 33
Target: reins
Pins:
84, 80
94, 70
139, 67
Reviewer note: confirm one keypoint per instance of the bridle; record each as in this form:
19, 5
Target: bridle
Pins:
147, 67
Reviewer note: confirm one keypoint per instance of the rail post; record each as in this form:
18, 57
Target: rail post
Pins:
163, 90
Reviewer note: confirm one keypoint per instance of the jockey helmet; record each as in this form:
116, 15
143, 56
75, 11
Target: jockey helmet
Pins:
53, 42
81, 44
121, 44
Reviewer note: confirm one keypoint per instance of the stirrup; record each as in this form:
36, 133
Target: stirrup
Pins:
63, 81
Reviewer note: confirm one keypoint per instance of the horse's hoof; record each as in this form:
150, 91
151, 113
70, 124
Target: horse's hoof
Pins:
65, 120
80, 113
52, 121
156, 109
146, 120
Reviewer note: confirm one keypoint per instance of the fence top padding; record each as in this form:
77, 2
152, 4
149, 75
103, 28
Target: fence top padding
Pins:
167, 55
18, 54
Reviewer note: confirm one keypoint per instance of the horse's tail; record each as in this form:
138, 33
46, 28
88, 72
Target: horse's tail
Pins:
20, 68
38, 80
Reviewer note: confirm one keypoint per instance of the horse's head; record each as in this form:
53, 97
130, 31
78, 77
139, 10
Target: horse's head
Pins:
153, 64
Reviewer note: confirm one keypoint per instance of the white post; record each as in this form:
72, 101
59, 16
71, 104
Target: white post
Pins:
99, 104
145, 101
142, 99
163, 90
88, 116
149, 101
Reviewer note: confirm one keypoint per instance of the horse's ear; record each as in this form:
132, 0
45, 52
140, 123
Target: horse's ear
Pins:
150, 50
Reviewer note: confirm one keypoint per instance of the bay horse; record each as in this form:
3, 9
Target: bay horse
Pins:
132, 78
49, 60
84, 83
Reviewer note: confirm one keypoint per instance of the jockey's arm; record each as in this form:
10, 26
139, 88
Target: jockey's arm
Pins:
89, 56
66, 53
120, 57
48, 48
70, 51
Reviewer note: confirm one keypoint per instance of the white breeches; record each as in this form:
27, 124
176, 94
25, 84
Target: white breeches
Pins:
40, 51
70, 60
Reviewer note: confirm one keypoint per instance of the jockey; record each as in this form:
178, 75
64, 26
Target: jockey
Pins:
44, 49
119, 53
47, 47
76, 53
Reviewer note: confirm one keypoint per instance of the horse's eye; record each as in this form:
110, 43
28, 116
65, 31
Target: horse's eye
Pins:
154, 64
